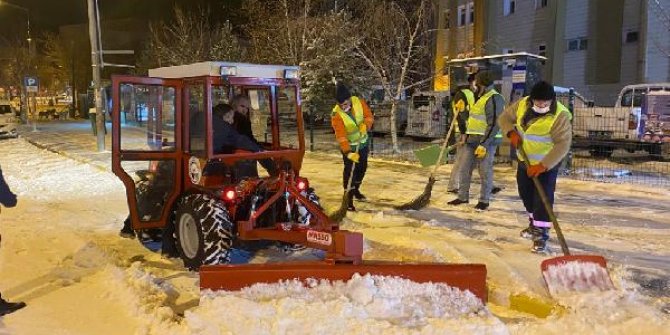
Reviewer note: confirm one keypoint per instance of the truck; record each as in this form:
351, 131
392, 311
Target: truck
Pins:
639, 121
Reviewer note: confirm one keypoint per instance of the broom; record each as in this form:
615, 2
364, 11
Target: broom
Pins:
339, 214
422, 200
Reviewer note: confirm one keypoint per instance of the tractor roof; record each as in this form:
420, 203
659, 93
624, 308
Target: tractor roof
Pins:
217, 69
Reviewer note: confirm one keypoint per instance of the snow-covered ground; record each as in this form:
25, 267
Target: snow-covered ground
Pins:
61, 254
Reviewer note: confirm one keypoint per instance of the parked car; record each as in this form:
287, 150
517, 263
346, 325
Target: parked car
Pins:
7, 122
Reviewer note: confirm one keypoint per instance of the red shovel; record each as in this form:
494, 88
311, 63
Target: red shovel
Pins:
570, 273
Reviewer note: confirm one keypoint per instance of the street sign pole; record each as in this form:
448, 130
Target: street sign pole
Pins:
31, 85
95, 61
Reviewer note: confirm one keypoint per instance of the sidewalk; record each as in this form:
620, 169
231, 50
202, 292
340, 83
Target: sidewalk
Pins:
73, 139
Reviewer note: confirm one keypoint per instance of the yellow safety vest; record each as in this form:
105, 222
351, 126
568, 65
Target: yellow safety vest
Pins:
477, 118
470, 98
537, 141
351, 124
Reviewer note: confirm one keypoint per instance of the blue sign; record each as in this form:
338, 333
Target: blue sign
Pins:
31, 81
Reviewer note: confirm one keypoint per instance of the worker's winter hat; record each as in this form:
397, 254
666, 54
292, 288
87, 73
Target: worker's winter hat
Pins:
542, 91
484, 78
342, 93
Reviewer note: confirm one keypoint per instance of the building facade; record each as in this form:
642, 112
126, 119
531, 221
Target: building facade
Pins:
595, 46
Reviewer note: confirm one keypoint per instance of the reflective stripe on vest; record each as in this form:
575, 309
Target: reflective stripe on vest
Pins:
477, 119
537, 141
469, 98
351, 125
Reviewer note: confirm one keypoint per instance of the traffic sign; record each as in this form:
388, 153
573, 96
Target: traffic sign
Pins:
31, 83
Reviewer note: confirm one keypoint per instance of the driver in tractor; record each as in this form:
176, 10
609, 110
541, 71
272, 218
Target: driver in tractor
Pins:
227, 140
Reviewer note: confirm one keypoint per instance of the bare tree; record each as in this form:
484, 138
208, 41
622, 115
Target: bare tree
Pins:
395, 45
191, 37
308, 33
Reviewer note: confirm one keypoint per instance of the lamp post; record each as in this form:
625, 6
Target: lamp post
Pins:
30, 49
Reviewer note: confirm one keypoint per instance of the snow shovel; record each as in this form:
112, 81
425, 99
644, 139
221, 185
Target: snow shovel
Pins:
570, 273
422, 200
339, 214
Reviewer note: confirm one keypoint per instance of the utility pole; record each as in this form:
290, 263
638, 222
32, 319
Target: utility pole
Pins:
94, 34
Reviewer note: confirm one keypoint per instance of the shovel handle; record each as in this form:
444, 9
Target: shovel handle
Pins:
444, 145
351, 175
547, 204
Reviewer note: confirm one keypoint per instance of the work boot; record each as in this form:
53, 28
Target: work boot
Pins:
127, 230
350, 202
358, 195
540, 243
481, 206
457, 202
7, 307
540, 247
531, 232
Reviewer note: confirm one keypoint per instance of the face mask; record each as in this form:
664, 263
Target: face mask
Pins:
543, 110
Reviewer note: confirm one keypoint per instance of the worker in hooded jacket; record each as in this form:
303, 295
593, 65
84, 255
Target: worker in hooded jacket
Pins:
539, 126
351, 119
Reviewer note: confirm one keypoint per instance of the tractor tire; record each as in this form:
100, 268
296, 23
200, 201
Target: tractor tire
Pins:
204, 231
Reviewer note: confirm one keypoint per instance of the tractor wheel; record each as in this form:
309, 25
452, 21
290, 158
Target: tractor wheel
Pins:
204, 231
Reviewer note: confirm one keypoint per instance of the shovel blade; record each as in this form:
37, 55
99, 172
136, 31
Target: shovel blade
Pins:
576, 273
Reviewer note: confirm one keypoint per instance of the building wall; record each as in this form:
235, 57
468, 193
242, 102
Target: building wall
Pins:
657, 67
598, 71
529, 28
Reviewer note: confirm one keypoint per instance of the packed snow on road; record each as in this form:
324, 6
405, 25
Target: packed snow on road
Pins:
61, 254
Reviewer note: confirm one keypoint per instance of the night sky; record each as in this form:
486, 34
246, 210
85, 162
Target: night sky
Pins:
48, 15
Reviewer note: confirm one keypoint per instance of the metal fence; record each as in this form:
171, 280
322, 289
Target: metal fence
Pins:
613, 145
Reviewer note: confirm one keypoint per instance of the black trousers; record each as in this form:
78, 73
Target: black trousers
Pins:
359, 170
530, 197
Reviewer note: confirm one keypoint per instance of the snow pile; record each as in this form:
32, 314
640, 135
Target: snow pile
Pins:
577, 276
363, 305
610, 312
145, 297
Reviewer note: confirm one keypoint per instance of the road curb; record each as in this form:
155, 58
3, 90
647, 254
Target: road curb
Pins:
77, 158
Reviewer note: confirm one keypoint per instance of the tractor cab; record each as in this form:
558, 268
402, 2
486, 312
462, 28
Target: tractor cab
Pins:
165, 149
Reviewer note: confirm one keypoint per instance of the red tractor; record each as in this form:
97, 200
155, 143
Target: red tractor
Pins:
204, 201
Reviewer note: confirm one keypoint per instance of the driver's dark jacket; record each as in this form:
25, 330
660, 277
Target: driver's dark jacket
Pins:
226, 140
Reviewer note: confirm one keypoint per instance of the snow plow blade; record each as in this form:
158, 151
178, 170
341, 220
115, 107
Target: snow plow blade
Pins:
576, 273
471, 277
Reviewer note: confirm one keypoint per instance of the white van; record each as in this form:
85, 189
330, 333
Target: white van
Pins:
632, 95
7, 121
